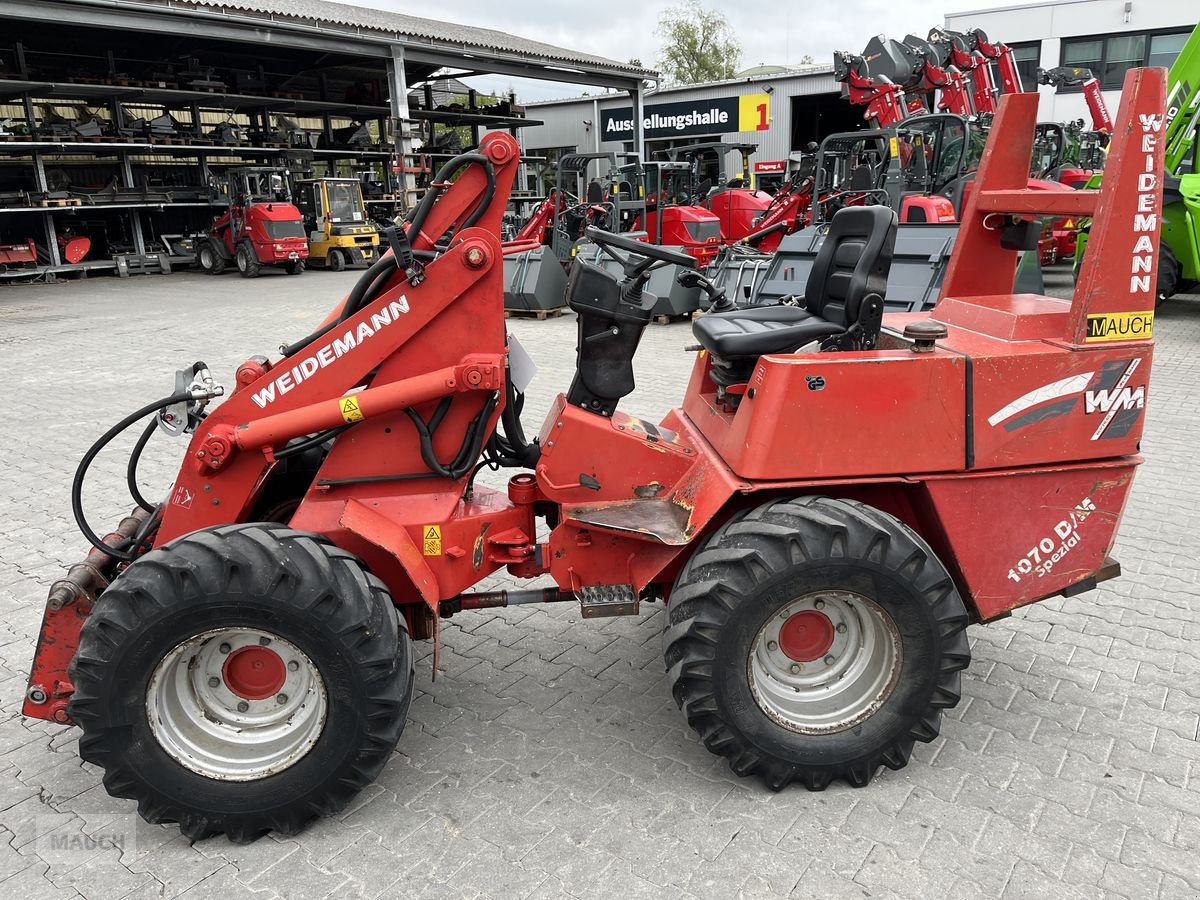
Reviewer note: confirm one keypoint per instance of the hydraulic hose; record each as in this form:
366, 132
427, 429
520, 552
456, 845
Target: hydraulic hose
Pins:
131, 469
85, 463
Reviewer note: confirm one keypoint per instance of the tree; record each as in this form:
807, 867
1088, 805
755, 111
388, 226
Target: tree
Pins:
698, 45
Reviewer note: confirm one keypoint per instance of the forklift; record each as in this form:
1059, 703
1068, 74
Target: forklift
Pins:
340, 234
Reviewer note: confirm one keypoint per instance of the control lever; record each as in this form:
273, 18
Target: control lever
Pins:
717, 301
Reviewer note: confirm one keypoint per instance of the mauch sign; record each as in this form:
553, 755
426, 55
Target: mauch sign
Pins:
723, 115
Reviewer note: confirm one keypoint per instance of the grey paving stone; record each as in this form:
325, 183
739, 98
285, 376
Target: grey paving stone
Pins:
548, 759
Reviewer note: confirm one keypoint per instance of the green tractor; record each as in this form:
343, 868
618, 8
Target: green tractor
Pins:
1179, 250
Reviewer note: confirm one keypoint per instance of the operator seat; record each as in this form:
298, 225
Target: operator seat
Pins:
842, 302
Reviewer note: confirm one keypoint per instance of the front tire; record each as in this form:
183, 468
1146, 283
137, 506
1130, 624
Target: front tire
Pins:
295, 267
211, 261
242, 679
337, 261
814, 639
247, 263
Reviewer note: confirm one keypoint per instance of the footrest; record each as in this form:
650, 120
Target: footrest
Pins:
603, 600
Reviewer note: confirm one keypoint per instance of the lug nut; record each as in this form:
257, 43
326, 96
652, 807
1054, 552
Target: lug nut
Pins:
225, 648
293, 666
214, 682
771, 645
264, 641
242, 706
795, 668
820, 604
840, 628
281, 699
830, 660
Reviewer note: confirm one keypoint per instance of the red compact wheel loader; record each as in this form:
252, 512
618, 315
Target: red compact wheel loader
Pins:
836, 498
262, 227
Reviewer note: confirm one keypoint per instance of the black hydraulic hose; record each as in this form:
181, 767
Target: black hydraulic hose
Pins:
308, 443
132, 467
86, 462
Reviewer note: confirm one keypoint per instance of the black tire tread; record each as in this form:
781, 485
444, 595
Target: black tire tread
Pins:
256, 558
761, 543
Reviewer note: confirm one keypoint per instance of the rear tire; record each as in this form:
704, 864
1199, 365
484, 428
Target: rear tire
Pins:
1168, 275
247, 263
814, 639
160, 700
210, 259
295, 268
337, 261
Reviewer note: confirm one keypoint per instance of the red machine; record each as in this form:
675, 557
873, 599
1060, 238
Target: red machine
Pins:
262, 227
18, 254
835, 499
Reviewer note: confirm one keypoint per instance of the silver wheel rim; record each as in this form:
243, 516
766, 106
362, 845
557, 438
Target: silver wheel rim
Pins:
242, 261
203, 724
846, 683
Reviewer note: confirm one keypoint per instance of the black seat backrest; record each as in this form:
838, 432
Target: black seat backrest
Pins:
595, 193
853, 262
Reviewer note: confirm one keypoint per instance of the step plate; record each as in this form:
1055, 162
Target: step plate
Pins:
604, 600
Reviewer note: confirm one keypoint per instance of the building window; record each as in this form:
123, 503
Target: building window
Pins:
1110, 56
1164, 48
1026, 56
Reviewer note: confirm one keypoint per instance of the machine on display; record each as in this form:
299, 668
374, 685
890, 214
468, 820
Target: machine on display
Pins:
261, 227
727, 195
340, 232
837, 496
1178, 265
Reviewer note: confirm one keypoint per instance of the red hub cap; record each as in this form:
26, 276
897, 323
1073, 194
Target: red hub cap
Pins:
254, 673
806, 636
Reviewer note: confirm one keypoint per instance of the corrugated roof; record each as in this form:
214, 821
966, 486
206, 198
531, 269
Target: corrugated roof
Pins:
652, 96
399, 25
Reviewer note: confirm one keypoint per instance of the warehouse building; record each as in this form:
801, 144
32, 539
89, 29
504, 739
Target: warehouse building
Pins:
118, 117
782, 108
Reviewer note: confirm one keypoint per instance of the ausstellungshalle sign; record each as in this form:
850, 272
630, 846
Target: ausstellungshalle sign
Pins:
720, 115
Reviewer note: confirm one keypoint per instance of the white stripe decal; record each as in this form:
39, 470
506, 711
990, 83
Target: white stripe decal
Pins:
1072, 385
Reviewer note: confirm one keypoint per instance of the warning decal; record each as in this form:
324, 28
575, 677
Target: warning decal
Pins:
433, 540
1131, 326
350, 410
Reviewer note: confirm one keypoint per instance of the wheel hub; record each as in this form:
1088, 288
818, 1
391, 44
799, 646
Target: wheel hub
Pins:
236, 704
806, 635
824, 662
254, 672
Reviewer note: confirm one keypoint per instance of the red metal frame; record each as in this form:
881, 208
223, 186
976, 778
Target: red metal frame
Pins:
1010, 445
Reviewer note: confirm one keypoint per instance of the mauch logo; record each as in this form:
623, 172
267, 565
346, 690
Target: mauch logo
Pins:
1130, 326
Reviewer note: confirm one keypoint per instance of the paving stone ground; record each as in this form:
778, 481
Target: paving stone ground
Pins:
548, 760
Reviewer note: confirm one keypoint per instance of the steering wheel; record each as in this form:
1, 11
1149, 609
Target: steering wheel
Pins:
638, 248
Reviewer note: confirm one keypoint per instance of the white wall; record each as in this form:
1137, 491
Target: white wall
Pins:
1050, 22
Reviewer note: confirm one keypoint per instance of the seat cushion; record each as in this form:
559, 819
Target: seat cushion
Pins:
760, 329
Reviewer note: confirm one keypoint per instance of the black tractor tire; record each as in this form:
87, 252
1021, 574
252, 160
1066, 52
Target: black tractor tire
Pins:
336, 261
738, 585
295, 267
1167, 282
210, 258
247, 262
294, 585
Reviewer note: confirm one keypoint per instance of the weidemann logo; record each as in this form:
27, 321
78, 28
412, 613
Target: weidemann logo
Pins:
335, 349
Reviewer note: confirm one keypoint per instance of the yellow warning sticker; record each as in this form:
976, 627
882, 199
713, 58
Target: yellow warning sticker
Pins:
1129, 326
432, 539
350, 409
894, 147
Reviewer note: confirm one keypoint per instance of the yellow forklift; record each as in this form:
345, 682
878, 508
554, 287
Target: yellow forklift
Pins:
339, 232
